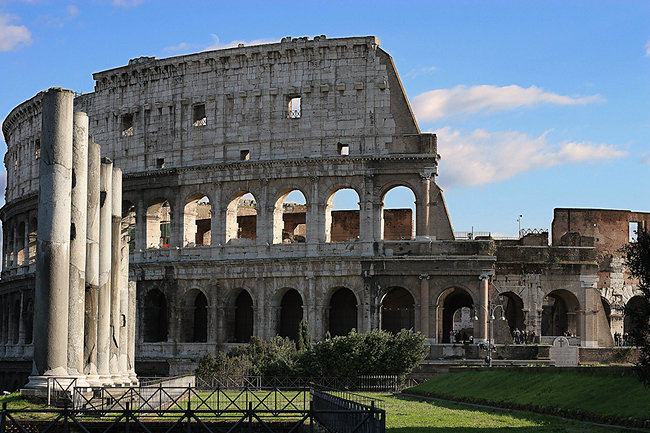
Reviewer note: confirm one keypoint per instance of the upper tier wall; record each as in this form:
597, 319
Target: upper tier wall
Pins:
233, 104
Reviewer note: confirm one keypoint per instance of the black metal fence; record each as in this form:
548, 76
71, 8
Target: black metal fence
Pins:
355, 383
211, 411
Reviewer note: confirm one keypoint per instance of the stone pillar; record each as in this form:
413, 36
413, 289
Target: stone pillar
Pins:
26, 242
104, 297
140, 226
130, 329
79, 209
92, 263
482, 310
116, 280
124, 306
424, 305
53, 249
21, 320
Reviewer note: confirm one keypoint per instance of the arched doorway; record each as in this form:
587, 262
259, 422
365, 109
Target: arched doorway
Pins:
513, 311
342, 312
398, 214
290, 314
197, 218
456, 315
243, 317
290, 218
155, 317
241, 219
559, 314
342, 216
397, 310
607, 309
195, 317
159, 224
633, 319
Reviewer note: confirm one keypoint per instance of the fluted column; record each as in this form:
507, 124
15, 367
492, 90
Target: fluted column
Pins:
53, 249
116, 280
104, 297
482, 311
92, 263
79, 209
130, 326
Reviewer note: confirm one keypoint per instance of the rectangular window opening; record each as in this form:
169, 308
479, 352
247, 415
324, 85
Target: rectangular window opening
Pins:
199, 118
245, 155
127, 125
160, 162
294, 108
633, 230
38, 148
344, 149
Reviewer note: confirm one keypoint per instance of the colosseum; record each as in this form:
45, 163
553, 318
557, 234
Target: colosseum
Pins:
234, 162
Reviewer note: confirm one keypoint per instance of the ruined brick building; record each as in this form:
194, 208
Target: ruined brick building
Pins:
211, 144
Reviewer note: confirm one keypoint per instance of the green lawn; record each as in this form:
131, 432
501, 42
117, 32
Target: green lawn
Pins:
409, 415
601, 394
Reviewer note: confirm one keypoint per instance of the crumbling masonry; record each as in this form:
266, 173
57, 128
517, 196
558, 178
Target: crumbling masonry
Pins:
212, 144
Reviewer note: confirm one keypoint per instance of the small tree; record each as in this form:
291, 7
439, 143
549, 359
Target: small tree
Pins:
637, 260
304, 336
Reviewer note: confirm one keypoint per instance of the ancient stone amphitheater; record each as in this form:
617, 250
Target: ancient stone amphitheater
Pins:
232, 163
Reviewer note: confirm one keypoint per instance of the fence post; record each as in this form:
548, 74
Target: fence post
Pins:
188, 415
3, 417
373, 427
66, 427
250, 417
311, 416
127, 415
48, 392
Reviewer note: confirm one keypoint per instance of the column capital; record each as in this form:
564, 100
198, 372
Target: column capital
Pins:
486, 274
428, 174
424, 277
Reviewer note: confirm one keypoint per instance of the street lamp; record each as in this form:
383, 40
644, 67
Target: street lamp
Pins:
491, 308
519, 222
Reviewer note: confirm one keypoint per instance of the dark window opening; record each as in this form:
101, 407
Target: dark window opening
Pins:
199, 118
294, 111
245, 155
343, 312
344, 149
155, 317
160, 162
243, 317
290, 314
127, 125
38, 148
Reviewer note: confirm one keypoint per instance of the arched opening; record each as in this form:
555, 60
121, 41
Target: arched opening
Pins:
398, 214
241, 219
159, 225
243, 317
397, 310
607, 309
155, 317
290, 314
513, 311
342, 216
290, 218
28, 321
342, 312
457, 316
128, 224
197, 218
559, 314
10, 247
20, 243
633, 320
195, 317
15, 322
33, 225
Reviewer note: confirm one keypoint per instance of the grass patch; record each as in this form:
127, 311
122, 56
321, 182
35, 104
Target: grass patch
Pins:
410, 415
603, 395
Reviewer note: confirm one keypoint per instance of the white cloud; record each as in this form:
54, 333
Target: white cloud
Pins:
73, 11
482, 157
179, 47
485, 98
218, 45
420, 71
13, 37
127, 3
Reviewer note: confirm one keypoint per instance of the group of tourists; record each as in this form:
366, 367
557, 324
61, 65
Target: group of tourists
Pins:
523, 337
623, 339
459, 337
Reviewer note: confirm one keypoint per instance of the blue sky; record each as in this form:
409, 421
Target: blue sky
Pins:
537, 104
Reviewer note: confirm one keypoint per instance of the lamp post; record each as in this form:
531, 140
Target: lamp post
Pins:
491, 308
519, 223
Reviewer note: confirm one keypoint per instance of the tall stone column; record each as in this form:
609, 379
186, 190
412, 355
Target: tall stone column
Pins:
483, 313
92, 263
104, 297
116, 277
53, 249
130, 326
424, 305
79, 210
124, 307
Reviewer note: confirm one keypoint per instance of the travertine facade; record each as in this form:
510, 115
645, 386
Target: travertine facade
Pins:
212, 143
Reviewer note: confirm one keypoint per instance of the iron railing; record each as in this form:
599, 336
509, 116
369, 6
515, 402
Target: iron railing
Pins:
375, 383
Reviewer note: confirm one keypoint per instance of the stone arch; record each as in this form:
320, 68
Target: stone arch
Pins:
243, 316
633, 318
607, 309
159, 219
128, 225
241, 218
342, 220
342, 311
194, 317
513, 311
197, 219
450, 302
155, 317
28, 321
290, 219
33, 231
560, 313
20, 241
397, 310
291, 314
398, 216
